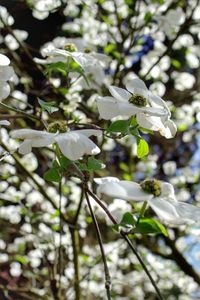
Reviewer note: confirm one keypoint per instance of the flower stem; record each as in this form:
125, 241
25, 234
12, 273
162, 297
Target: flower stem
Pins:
142, 211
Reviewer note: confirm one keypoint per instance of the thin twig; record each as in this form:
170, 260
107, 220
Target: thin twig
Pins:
124, 236
106, 269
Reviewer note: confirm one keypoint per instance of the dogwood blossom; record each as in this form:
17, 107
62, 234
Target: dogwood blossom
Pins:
6, 72
91, 62
159, 195
73, 144
151, 111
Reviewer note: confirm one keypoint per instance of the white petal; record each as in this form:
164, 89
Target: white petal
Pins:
135, 85
112, 189
188, 211
167, 190
164, 209
157, 101
25, 147
155, 111
127, 109
107, 107
4, 90
105, 179
126, 190
89, 132
134, 191
155, 124
5, 123
170, 129
74, 145
119, 93
30, 134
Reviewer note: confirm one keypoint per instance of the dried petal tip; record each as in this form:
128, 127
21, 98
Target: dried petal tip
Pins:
57, 126
70, 47
138, 100
151, 186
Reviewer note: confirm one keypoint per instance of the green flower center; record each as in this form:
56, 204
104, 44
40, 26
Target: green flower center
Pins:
56, 126
151, 186
138, 100
87, 50
70, 47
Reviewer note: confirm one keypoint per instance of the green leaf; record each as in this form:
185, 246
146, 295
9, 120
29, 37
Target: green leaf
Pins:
21, 259
94, 164
148, 17
52, 175
142, 148
59, 67
148, 225
176, 63
48, 106
64, 162
128, 220
121, 126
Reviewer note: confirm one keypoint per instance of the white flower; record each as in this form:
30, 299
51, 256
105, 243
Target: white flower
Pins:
151, 111
6, 72
159, 195
73, 144
92, 63
4, 122
171, 21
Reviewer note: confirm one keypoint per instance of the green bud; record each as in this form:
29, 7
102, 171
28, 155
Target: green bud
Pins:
151, 186
56, 126
138, 100
70, 47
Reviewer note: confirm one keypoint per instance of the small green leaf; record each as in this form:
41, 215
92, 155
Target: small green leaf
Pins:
148, 225
148, 17
121, 126
52, 175
128, 220
64, 162
142, 148
48, 106
21, 259
94, 164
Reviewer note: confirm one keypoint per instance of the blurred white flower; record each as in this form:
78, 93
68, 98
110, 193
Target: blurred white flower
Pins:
11, 41
183, 80
159, 195
6, 17
171, 21
6, 72
169, 168
151, 111
73, 144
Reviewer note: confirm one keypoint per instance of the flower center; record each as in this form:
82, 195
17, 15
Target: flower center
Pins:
87, 50
70, 47
151, 186
138, 100
57, 126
